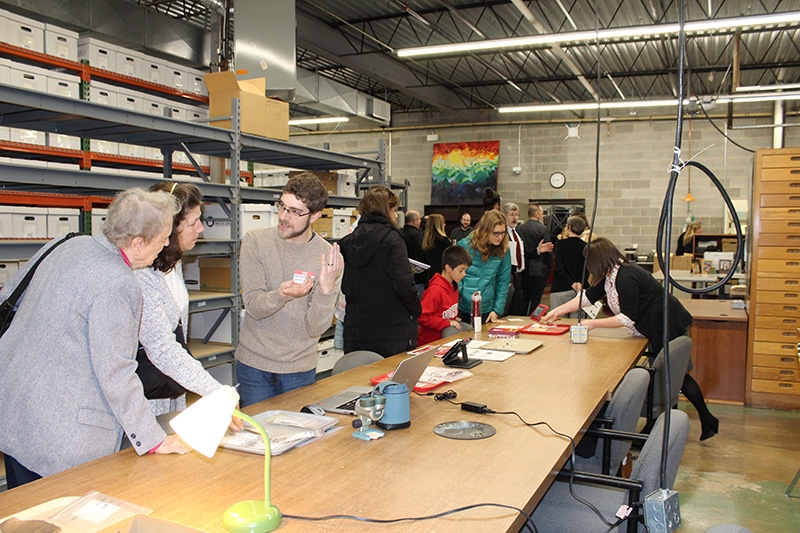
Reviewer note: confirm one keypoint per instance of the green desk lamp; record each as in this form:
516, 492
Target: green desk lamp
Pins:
202, 427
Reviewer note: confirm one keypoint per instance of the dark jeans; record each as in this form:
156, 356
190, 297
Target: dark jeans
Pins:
533, 290
16, 474
256, 385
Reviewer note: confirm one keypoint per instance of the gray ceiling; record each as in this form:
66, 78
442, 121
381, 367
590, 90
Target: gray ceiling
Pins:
354, 43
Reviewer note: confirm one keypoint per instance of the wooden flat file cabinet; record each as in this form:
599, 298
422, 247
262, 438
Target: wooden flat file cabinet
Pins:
773, 369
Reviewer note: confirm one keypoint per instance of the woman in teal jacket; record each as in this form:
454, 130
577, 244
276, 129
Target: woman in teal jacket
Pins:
490, 272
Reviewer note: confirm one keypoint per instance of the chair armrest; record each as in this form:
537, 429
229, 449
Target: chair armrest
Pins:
613, 434
633, 486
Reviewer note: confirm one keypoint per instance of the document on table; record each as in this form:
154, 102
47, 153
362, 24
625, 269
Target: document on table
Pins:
474, 351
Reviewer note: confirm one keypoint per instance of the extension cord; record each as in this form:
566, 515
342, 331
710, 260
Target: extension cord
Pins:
662, 513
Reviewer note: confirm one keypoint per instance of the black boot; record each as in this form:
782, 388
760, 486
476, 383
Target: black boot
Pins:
708, 422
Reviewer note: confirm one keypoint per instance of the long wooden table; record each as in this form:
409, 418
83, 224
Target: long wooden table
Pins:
409, 473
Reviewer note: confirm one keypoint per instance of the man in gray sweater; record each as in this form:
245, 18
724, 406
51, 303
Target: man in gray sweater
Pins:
290, 280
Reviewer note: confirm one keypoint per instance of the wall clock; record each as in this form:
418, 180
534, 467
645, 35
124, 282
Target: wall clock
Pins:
557, 180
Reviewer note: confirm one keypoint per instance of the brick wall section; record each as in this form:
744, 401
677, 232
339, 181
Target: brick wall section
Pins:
634, 159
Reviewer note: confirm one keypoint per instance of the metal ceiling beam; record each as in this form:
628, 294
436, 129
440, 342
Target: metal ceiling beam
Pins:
332, 45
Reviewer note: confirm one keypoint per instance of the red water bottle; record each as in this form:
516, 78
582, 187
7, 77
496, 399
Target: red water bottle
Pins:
476, 311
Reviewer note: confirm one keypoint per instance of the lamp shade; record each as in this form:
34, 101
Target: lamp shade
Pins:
203, 424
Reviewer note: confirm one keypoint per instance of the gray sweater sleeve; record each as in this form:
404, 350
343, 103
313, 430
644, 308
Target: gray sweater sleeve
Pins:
160, 317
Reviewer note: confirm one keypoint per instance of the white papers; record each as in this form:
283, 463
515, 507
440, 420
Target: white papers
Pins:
417, 267
474, 351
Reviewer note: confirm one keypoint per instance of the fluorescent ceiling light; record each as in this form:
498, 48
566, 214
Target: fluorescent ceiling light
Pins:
320, 120
603, 35
776, 87
760, 97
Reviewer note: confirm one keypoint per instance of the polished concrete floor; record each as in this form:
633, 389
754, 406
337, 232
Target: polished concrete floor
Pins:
741, 475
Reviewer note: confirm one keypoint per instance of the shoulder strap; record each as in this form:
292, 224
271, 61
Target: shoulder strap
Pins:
15, 296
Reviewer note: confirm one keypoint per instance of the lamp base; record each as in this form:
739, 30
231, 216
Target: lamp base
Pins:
252, 516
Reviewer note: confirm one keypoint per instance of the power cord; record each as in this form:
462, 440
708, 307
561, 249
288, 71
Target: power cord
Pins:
528, 519
483, 409
440, 396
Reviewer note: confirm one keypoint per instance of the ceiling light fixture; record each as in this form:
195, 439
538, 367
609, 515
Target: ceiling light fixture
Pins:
319, 120
776, 87
610, 34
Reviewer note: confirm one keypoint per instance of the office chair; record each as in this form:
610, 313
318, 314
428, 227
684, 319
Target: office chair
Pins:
622, 414
559, 511
355, 359
680, 350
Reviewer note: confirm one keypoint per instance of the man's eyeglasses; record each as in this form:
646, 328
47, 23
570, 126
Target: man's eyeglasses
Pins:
498, 233
291, 210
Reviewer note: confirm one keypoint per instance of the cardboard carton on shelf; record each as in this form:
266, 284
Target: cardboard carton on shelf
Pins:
215, 274
262, 116
324, 224
330, 180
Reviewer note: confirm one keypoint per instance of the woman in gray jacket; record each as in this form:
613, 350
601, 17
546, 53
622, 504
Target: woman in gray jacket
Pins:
165, 311
68, 384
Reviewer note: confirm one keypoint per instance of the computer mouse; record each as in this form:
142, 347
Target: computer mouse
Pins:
313, 409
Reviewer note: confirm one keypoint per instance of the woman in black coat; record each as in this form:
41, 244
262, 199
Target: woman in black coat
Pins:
636, 299
434, 243
382, 303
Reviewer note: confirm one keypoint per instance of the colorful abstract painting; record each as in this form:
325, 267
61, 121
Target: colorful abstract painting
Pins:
462, 171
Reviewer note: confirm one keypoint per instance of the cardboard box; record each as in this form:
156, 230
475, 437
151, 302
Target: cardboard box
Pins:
330, 180
215, 274
324, 224
326, 355
260, 115
141, 523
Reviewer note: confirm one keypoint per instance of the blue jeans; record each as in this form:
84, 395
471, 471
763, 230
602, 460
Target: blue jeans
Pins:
16, 474
256, 385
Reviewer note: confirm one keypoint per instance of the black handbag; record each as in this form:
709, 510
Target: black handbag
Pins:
158, 385
9, 307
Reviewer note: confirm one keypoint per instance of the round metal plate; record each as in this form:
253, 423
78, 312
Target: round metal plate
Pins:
464, 430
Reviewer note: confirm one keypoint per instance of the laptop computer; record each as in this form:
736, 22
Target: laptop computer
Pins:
512, 345
408, 372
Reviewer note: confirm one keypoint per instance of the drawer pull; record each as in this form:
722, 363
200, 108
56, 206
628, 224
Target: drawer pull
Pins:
789, 334
790, 295
794, 224
792, 263
790, 282
787, 372
789, 308
794, 184
786, 385
794, 198
792, 251
789, 321
793, 237
787, 359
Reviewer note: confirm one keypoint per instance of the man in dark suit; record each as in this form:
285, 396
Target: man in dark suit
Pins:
413, 236
538, 255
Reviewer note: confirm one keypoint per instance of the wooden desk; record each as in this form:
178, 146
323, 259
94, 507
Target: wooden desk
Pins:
410, 472
719, 349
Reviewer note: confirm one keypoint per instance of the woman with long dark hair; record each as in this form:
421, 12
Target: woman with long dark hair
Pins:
382, 303
636, 299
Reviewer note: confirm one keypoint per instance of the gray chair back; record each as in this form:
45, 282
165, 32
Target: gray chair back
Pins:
625, 407
355, 359
647, 468
680, 350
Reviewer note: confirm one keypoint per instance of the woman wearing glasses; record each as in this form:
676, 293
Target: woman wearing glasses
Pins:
490, 272
382, 302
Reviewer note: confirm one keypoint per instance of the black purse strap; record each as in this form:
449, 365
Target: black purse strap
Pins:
15, 296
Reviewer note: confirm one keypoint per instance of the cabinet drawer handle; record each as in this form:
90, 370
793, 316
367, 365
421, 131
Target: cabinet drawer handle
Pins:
789, 308
787, 372
790, 295
792, 263
794, 184
786, 385
792, 251
790, 282
787, 359
789, 321
789, 334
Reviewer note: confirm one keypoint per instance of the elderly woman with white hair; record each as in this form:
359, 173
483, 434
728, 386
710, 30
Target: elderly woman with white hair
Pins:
68, 384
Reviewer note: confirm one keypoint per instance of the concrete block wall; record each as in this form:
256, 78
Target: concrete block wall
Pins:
634, 160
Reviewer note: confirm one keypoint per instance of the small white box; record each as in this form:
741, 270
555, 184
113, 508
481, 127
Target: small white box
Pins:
26, 77
130, 63
103, 93
62, 84
61, 221
176, 111
347, 183
99, 54
176, 77
28, 222
104, 147
98, 220
152, 106
154, 71
25, 32
27, 136
326, 356
60, 42
341, 225
131, 150
196, 84
68, 142
7, 271
256, 216
130, 100
191, 272
216, 223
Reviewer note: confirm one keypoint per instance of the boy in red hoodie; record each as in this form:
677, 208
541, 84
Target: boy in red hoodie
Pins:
440, 299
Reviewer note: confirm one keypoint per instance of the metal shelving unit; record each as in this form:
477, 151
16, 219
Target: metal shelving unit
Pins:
21, 108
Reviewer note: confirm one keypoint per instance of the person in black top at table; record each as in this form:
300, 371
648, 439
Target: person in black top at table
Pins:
686, 239
636, 299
